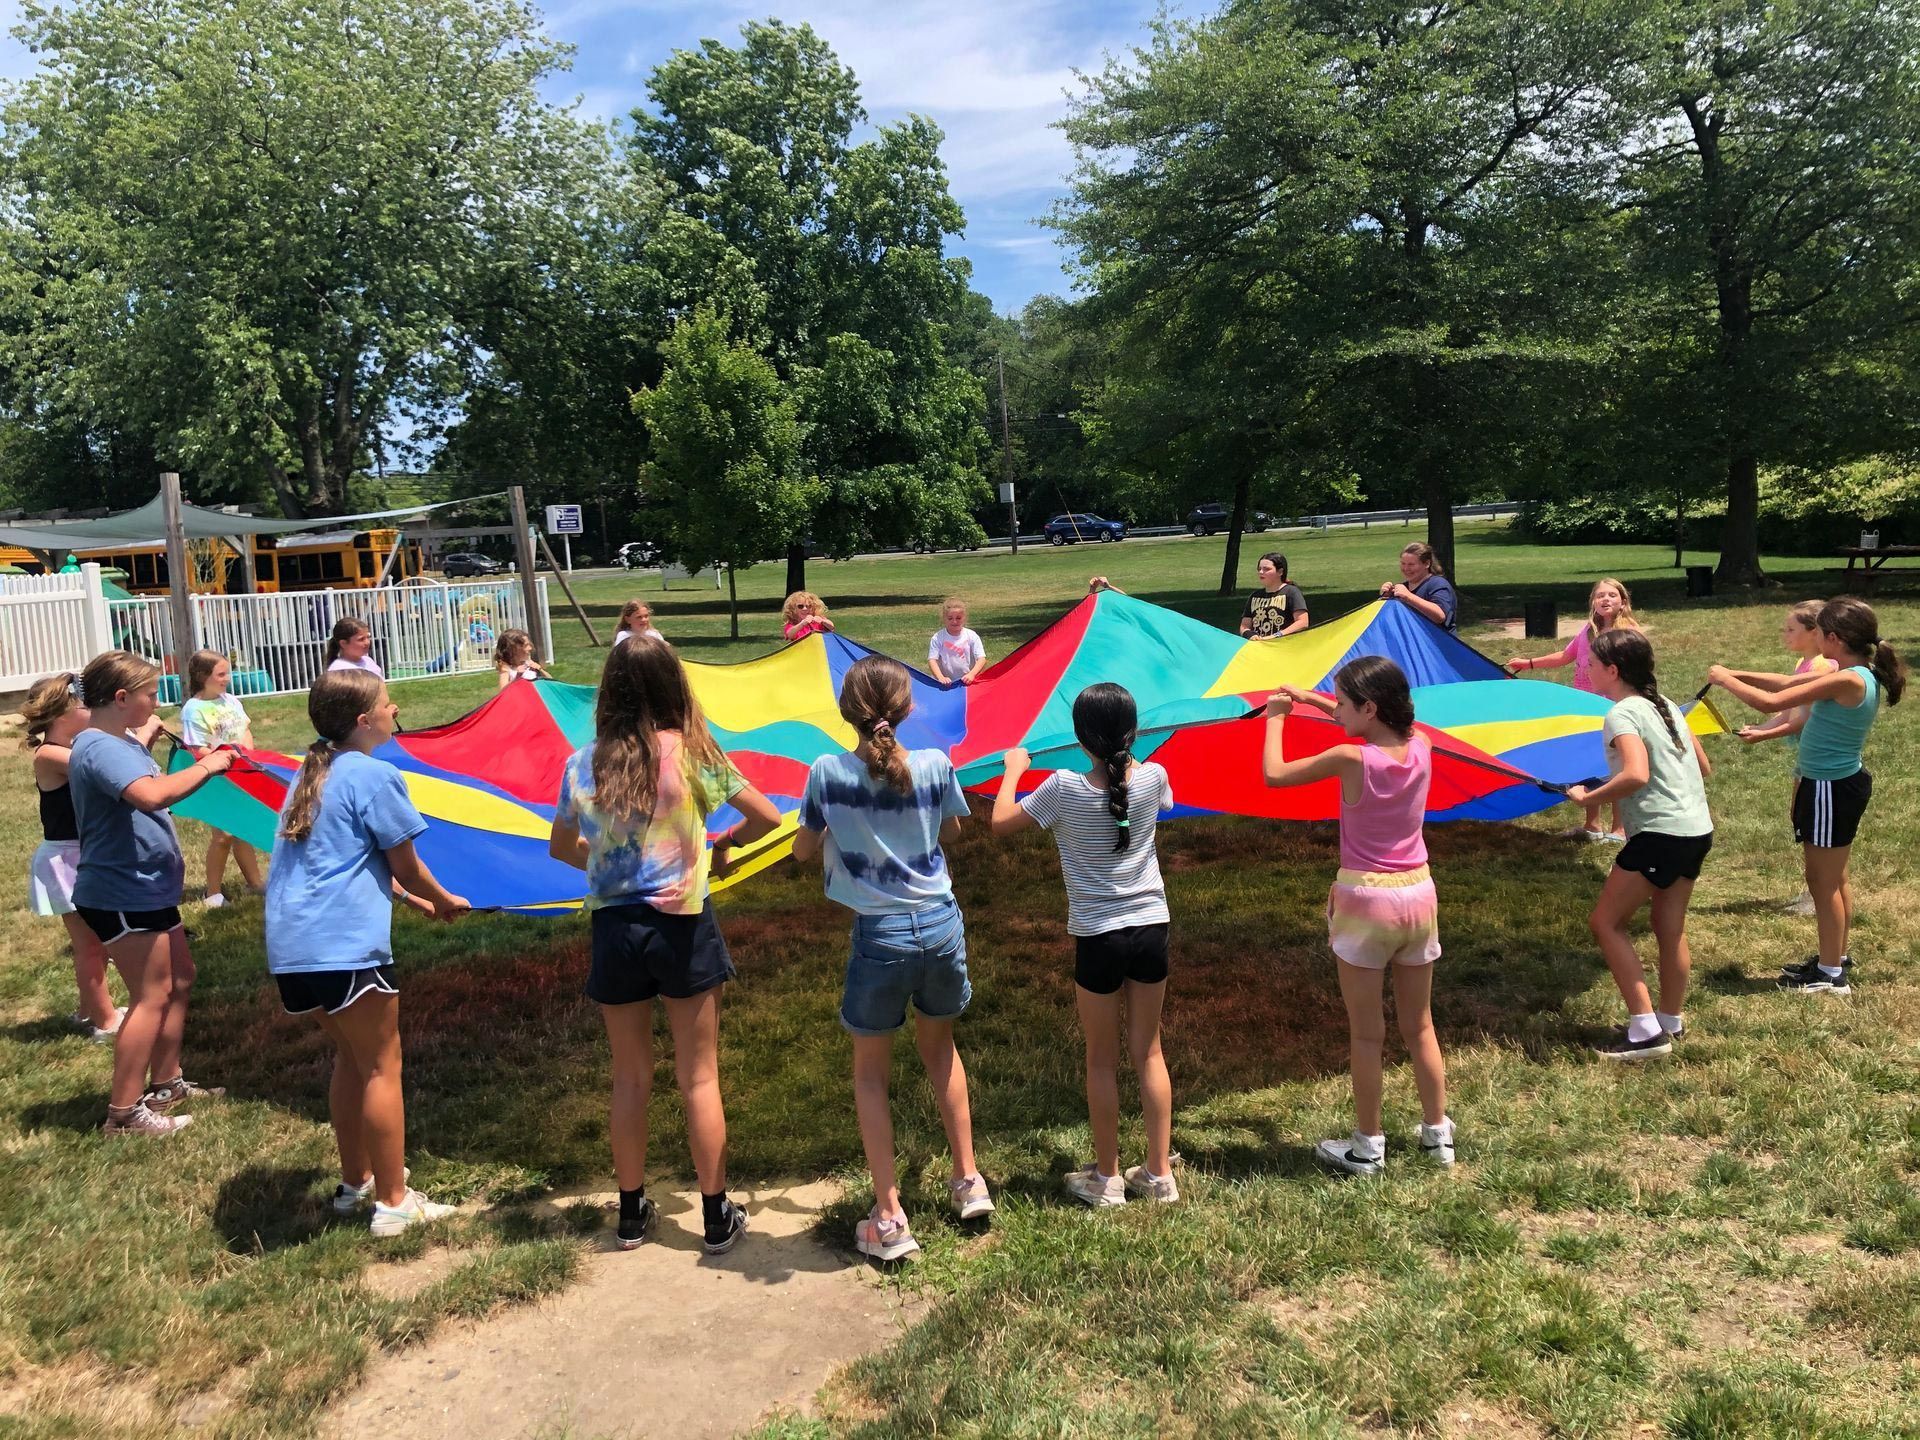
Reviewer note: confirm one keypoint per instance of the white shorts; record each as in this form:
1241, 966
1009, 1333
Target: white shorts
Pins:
50, 879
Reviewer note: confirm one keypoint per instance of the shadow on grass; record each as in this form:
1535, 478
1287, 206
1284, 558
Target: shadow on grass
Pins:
80, 1114
1732, 980
272, 1207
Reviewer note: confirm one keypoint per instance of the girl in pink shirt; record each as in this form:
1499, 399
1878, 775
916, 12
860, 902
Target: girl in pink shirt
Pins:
1609, 607
804, 614
1383, 911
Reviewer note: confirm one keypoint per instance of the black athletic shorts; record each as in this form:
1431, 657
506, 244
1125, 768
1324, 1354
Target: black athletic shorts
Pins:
1664, 859
306, 991
111, 925
1827, 813
1133, 952
640, 952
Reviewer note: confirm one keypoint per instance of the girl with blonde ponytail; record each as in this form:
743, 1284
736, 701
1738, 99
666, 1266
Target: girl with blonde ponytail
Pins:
344, 847
879, 817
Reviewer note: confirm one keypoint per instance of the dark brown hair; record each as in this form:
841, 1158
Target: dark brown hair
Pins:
1631, 653
345, 628
1377, 681
643, 691
1853, 623
1105, 721
335, 704
875, 697
200, 667
1279, 562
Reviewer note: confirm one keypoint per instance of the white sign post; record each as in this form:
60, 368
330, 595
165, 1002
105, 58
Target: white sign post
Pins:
565, 521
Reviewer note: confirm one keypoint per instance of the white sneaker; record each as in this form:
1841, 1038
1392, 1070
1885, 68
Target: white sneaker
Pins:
970, 1198
1357, 1155
1436, 1142
216, 900
142, 1121
349, 1198
1148, 1186
416, 1209
1090, 1187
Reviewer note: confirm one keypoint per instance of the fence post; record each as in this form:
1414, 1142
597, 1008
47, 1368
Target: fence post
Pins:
179, 579
453, 629
544, 621
99, 622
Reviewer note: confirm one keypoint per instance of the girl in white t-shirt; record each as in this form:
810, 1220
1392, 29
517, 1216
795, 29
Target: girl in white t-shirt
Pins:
513, 658
347, 647
955, 653
1103, 822
636, 618
210, 720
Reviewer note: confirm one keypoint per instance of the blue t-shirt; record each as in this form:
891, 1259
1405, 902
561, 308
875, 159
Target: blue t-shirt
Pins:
330, 896
129, 860
1439, 590
882, 851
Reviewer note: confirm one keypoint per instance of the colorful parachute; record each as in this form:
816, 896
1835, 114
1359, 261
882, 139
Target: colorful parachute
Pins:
486, 783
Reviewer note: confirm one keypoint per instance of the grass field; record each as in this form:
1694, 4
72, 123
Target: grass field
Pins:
1726, 1244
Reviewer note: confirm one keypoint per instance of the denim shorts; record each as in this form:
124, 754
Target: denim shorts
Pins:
916, 954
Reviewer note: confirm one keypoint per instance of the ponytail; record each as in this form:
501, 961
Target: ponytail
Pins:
875, 696
1891, 671
1105, 721
1631, 653
335, 704
1853, 623
303, 803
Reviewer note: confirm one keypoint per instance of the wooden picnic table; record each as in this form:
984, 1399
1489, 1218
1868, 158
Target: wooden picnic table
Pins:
1864, 562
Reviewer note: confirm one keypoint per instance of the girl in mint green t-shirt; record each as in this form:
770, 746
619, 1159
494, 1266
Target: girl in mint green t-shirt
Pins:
1832, 784
1659, 779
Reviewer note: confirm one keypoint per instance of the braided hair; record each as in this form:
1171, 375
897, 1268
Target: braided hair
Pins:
1105, 720
875, 697
1631, 653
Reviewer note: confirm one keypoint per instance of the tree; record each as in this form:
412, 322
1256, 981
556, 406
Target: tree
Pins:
841, 247
727, 442
1770, 173
259, 232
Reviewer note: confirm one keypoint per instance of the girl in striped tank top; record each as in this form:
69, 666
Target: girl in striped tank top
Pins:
1103, 823
1833, 787
1383, 912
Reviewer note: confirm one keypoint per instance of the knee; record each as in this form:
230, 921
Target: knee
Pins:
1147, 1053
632, 1084
1602, 925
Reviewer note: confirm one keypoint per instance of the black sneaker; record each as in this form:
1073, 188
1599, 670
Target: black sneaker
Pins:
1621, 1048
636, 1232
1812, 963
732, 1224
1812, 980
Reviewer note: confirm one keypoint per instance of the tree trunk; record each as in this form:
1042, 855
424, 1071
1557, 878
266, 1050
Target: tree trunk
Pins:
733, 604
1740, 539
1230, 567
1436, 493
796, 566
1740, 536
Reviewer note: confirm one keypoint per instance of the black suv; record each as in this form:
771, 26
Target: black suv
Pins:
1213, 517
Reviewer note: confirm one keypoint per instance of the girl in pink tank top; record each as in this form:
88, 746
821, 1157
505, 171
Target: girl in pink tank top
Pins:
1382, 912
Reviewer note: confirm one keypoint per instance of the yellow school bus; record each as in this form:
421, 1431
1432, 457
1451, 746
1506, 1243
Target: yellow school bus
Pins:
341, 560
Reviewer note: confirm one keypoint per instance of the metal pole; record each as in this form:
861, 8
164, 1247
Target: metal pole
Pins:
179, 580
523, 551
1006, 460
567, 542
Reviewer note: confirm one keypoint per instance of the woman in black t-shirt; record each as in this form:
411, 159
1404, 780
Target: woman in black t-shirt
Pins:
1277, 608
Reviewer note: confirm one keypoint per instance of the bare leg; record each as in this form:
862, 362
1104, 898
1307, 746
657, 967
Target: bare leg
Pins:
368, 1031
1144, 1004
1100, 1021
1829, 886
90, 973
218, 848
345, 1098
695, 1023
1413, 1003
948, 1076
1670, 929
1366, 1037
146, 965
165, 1064
248, 859
630, 1033
1620, 899
872, 1070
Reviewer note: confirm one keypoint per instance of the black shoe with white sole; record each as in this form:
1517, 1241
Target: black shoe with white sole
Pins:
722, 1234
636, 1232
1815, 981
1621, 1048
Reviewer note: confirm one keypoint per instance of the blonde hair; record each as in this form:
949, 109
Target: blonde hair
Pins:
952, 602
1624, 620
875, 697
503, 648
793, 602
345, 628
108, 674
335, 704
46, 702
643, 691
200, 667
635, 610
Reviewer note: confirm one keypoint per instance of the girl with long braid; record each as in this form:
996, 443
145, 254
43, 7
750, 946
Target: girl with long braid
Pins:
345, 845
1103, 822
1659, 777
879, 816
1833, 787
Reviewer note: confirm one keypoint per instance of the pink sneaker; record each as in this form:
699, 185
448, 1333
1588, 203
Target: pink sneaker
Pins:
885, 1239
142, 1121
970, 1197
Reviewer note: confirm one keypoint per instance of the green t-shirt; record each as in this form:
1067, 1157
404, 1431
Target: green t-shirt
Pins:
1674, 799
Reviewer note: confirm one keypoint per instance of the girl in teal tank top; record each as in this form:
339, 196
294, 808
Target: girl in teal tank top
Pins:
1833, 786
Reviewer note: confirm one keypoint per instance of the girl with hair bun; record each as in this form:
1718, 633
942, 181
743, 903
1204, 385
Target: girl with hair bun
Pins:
1834, 785
1659, 776
1103, 823
1382, 913
879, 816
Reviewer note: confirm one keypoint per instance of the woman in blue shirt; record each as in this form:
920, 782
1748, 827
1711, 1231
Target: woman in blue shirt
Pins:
1423, 589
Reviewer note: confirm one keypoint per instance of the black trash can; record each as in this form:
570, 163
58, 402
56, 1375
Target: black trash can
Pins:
1543, 620
1699, 582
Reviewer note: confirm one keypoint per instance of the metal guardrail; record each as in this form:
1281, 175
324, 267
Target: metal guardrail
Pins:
1365, 519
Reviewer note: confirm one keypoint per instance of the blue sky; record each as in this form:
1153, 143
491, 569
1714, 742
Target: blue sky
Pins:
991, 73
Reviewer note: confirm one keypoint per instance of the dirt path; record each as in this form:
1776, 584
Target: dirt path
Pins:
662, 1340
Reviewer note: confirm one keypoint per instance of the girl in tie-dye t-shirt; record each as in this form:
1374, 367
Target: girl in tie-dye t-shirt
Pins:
634, 812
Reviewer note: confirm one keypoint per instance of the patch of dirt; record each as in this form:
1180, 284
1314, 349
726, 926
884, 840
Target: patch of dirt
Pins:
1483, 1421
663, 1340
82, 1392
1313, 1317
1516, 628
406, 1280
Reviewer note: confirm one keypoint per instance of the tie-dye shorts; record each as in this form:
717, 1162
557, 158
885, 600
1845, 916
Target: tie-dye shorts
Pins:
1375, 920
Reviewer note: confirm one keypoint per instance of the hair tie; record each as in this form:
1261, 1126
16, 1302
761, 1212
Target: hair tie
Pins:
881, 727
1123, 824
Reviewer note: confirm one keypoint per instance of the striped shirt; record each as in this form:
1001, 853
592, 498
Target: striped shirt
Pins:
1107, 889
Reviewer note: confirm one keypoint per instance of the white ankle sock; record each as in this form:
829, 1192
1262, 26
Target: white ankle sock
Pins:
1642, 1027
1672, 1024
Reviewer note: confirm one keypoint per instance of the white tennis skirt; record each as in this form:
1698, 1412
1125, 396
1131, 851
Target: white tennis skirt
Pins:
56, 864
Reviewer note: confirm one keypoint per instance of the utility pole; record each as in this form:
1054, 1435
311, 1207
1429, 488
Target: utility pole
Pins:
179, 580
1006, 462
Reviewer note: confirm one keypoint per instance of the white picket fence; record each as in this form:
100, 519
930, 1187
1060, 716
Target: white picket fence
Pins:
277, 643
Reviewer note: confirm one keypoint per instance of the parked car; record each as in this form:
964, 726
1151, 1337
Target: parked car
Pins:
637, 555
1213, 517
1072, 528
465, 562
924, 546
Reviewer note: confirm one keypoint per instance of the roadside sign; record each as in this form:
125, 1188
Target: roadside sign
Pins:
564, 520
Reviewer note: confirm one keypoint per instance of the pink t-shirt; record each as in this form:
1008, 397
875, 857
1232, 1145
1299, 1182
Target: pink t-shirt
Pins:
1385, 830
1580, 651
800, 629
